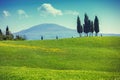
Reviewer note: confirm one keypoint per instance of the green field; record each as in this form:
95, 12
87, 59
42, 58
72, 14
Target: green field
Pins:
86, 58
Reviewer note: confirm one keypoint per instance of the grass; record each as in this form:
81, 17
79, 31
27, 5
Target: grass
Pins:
86, 58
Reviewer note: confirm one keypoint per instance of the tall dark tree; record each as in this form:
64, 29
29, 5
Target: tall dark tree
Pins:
96, 25
7, 31
41, 37
86, 24
79, 26
1, 35
9, 35
91, 27
0, 32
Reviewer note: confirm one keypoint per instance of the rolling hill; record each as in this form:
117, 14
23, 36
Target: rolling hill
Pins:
86, 58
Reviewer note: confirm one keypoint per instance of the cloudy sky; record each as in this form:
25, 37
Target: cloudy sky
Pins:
23, 14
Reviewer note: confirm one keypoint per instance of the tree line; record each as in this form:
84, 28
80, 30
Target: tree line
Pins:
89, 27
9, 36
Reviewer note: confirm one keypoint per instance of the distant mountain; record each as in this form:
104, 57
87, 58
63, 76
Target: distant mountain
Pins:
48, 31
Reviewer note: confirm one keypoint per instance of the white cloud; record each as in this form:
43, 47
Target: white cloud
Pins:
70, 12
22, 13
48, 9
6, 13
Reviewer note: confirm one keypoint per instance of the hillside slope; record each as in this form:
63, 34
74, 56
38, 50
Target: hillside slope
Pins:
49, 31
76, 58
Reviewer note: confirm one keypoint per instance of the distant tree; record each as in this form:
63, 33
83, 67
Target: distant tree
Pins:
79, 26
9, 35
88, 28
101, 35
1, 35
56, 37
96, 25
7, 31
41, 37
86, 24
0, 32
18, 37
91, 27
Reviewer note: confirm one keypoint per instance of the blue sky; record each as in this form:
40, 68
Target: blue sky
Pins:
23, 14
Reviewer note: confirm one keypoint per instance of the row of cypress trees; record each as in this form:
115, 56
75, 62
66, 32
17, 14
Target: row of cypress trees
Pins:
89, 27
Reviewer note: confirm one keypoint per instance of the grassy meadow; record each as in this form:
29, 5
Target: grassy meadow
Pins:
86, 58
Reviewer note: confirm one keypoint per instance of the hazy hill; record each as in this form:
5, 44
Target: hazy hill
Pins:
48, 31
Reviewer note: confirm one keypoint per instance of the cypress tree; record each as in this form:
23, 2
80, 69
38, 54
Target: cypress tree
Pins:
79, 26
0, 32
91, 27
7, 31
96, 25
1, 35
86, 24
9, 35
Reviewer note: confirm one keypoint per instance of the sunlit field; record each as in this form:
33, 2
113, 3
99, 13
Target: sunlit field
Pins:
86, 58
